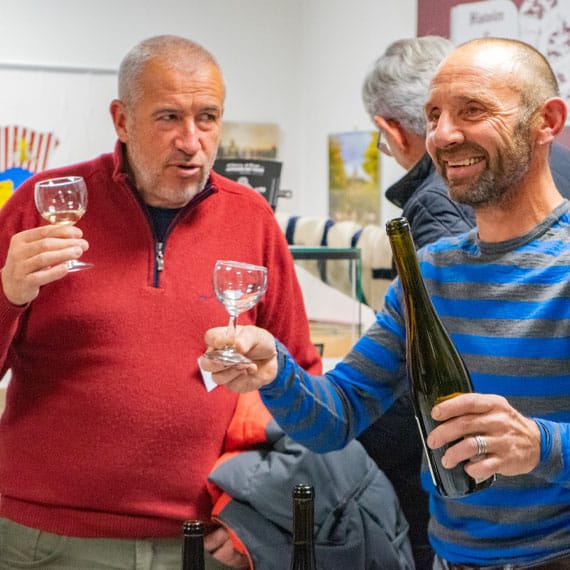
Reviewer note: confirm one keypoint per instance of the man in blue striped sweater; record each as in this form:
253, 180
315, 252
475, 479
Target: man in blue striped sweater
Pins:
503, 292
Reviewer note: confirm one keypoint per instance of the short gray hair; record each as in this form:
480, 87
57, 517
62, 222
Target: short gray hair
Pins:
176, 50
397, 84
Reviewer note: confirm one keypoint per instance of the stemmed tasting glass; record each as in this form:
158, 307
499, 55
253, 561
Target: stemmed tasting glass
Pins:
63, 201
239, 287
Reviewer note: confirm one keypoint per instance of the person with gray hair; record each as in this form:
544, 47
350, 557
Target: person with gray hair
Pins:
112, 436
394, 93
110, 430
396, 84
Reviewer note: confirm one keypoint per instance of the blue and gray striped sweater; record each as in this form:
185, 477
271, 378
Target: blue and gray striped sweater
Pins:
507, 308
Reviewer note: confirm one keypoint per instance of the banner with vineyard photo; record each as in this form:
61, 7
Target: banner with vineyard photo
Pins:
354, 173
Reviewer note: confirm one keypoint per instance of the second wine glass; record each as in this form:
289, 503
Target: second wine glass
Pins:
63, 201
239, 287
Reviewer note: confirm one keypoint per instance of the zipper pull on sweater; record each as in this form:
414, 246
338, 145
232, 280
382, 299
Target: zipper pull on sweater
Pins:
159, 256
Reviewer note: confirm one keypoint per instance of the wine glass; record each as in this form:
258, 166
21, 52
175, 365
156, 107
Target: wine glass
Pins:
239, 287
63, 201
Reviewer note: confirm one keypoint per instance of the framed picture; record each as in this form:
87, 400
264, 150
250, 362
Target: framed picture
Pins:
249, 140
354, 190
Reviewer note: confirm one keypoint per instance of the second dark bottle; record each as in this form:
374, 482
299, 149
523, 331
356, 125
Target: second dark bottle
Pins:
303, 555
435, 368
193, 545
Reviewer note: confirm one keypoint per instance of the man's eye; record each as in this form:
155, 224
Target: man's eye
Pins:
473, 110
433, 117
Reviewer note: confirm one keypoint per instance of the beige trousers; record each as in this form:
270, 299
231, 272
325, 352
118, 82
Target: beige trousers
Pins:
22, 547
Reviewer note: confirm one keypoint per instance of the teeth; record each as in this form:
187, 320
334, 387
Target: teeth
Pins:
466, 162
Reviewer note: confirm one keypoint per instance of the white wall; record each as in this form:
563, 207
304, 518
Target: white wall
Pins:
340, 41
298, 63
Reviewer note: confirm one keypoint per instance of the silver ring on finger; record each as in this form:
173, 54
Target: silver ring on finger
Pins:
481, 443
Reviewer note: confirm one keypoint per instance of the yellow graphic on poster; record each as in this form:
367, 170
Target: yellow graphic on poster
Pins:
6, 189
23, 151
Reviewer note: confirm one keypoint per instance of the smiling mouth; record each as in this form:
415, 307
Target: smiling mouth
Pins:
465, 162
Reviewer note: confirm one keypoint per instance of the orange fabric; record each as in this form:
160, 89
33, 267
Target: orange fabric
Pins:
248, 424
221, 503
246, 430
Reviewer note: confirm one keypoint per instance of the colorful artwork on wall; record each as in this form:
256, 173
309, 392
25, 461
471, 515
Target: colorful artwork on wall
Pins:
249, 140
23, 152
354, 190
51, 116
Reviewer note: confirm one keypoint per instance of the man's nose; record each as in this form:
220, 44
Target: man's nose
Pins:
188, 138
445, 132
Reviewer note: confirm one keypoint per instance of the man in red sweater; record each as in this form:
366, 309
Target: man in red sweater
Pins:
110, 430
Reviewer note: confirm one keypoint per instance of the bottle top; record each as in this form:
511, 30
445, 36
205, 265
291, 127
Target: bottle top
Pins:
193, 528
303, 491
396, 225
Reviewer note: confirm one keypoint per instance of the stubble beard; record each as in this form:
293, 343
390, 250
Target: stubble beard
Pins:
150, 183
498, 184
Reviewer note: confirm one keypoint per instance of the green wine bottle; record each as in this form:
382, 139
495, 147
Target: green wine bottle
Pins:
303, 555
435, 368
193, 545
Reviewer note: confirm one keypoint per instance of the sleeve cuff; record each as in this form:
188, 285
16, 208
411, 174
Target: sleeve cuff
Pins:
282, 358
551, 466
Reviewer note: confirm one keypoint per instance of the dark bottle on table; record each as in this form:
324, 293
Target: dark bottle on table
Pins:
436, 371
303, 555
193, 545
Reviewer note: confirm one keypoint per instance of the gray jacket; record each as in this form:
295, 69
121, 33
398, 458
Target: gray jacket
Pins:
358, 520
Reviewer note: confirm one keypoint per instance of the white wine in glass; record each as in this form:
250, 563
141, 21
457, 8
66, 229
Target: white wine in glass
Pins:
63, 201
239, 287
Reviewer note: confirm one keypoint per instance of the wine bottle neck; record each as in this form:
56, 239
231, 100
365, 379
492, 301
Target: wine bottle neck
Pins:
303, 556
408, 268
303, 523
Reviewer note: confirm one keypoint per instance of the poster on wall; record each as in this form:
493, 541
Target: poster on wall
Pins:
247, 153
354, 189
544, 24
51, 117
23, 152
248, 140
498, 18
261, 175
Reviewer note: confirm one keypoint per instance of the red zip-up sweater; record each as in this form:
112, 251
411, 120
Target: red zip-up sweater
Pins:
108, 429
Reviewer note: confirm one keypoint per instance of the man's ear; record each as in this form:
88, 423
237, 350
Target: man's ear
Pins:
119, 115
393, 132
551, 119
